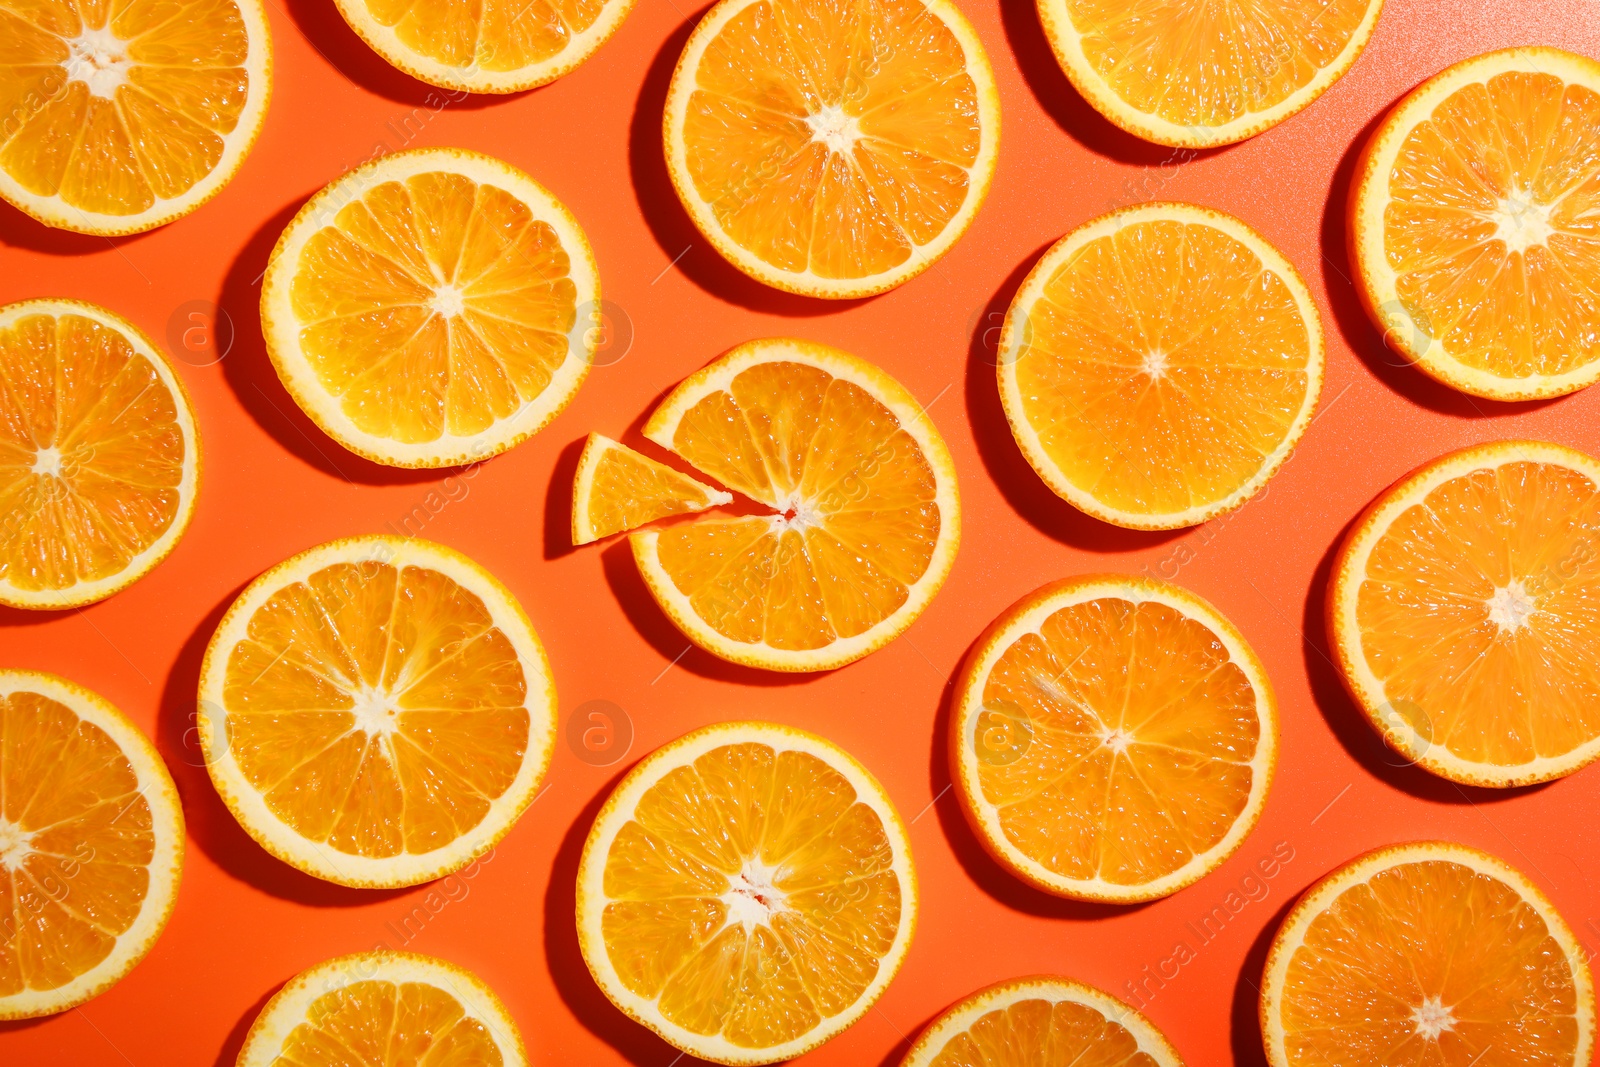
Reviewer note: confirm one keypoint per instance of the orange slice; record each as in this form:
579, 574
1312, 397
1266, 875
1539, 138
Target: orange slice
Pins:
1426, 953
377, 711
1159, 364
866, 517
1474, 229
829, 148
503, 46
618, 489
431, 308
91, 845
1462, 613
119, 118
1196, 74
1041, 1022
99, 454
746, 892
394, 1009
1113, 738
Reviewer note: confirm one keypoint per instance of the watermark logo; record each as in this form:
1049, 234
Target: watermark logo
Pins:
1407, 733
607, 332
199, 333
1002, 734
600, 733
196, 752
987, 328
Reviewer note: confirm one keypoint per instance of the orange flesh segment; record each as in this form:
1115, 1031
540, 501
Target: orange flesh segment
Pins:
1162, 365
1116, 742
376, 709
1493, 226
751, 895
434, 305
1435, 937
1037, 1033
881, 167
1200, 63
149, 125
70, 807
495, 35
630, 490
74, 386
1480, 613
858, 487
389, 1024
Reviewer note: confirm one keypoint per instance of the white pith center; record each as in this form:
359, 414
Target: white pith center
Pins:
1117, 740
1432, 1018
99, 59
752, 899
447, 301
15, 845
834, 128
376, 713
1155, 364
47, 461
1510, 607
1521, 221
795, 514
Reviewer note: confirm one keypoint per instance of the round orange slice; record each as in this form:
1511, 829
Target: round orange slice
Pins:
119, 118
1195, 74
746, 892
1426, 953
1159, 364
1462, 613
432, 308
1041, 1021
99, 454
1473, 224
397, 1009
503, 46
832, 149
91, 845
865, 518
618, 489
376, 711
1113, 738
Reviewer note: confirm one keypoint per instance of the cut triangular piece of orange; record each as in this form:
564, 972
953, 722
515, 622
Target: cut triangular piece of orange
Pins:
376, 711
746, 892
1473, 224
91, 845
1427, 953
1041, 1021
1113, 738
384, 1009
865, 515
1462, 613
618, 489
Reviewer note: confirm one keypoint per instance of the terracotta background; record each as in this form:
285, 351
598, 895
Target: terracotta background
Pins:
274, 485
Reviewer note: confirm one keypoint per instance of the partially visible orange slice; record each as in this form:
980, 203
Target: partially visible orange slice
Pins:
432, 308
1474, 224
376, 711
746, 892
1426, 953
1113, 738
618, 489
121, 117
1463, 613
91, 845
384, 1009
831, 148
1159, 364
99, 454
1041, 1022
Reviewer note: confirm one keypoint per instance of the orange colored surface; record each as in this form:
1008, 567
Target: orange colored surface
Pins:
274, 485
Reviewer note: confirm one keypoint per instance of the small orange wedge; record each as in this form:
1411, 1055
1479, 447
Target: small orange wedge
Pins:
618, 489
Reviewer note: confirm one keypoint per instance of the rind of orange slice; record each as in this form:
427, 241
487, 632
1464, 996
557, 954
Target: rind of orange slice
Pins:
376, 711
432, 308
1113, 738
1041, 1021
1159, 364
866, 517
1461, 613
830, 148
119, 119
99, 454
91, 845
391, 1008
1197, 75
746, 892
1472, 224
618, 489
1428, 952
